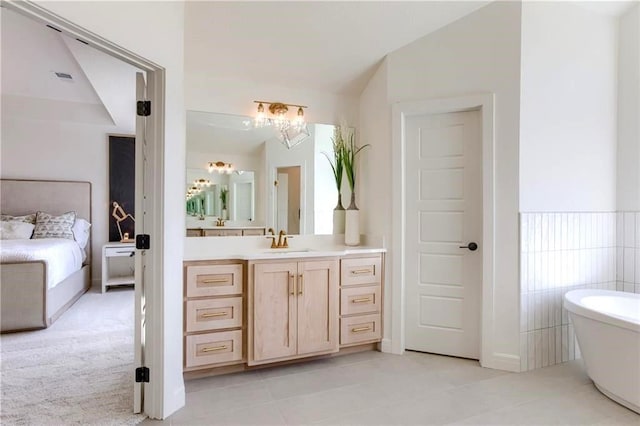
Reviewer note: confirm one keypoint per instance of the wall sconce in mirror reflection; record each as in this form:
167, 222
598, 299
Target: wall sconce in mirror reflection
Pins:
289, 132
121, 216
220, 167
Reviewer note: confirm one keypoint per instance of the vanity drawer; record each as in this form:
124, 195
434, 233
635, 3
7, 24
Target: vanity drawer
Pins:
253, 231
214, 280
222, 232
214, 314
213, 348
194, 233
364, 270
358, 329
360, 300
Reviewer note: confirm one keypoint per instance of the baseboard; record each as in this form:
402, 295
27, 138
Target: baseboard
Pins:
500, 361
385, 346
176, 402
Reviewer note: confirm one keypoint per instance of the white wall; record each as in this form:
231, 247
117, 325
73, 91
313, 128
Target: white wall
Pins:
479, 53
568, 109
155, 31
61, 150
629, 111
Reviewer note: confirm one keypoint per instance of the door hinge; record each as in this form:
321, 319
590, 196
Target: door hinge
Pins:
144, 108
143, 242
142, 375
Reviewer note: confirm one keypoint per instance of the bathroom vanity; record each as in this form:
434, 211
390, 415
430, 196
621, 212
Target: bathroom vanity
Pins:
268, 306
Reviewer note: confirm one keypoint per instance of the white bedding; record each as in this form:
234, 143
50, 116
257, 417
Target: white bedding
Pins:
63, 257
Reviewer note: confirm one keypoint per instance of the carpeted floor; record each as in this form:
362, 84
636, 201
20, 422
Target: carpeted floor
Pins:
78, 371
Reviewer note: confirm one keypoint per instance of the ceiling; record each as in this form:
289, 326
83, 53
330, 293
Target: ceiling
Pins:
332, 47
32, 53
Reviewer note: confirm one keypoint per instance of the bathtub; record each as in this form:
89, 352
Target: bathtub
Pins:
607, 326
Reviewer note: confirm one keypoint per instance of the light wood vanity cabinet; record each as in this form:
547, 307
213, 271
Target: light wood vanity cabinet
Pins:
293, 310
360, 300
213, 314
217, 232
239, 314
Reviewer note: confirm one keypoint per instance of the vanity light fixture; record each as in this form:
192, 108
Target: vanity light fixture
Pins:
202, 182
290, 132
220, 167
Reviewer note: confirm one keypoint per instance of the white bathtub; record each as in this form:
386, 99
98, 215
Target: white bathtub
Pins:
607, 325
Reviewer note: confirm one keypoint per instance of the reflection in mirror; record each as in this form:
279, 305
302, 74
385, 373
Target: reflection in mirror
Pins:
269, 185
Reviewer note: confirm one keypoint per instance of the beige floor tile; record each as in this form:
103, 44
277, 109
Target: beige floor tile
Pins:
206, 402
221, 381
259, 414
313, 381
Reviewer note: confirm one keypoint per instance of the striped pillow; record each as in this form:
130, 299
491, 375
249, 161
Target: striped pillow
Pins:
49, 226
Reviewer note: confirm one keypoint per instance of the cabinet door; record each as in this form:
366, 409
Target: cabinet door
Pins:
274, 310
317, 294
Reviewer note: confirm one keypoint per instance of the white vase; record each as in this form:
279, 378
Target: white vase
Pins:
352, 224
224, 214
338, 217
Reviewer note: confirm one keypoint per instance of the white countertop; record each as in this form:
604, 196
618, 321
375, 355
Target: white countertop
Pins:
203, 226
257, 248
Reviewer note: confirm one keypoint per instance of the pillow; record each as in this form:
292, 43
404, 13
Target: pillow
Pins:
49, 226
29, 218
81, 232
15, 230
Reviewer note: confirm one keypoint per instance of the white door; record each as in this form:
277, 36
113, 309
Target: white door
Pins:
243, 194
142, 173
444, 214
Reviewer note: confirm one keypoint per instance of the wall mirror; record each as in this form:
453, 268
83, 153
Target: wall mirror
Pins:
247, 176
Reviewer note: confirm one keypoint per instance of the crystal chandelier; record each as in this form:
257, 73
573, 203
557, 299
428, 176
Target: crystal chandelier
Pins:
290, 132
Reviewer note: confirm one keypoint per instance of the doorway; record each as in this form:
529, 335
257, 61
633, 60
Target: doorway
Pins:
288, 199
149, 206
444, 233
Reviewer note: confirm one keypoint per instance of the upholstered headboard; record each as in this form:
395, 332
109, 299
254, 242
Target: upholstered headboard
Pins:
21, 196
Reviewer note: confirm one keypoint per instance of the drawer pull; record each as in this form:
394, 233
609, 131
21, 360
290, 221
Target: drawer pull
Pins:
300, 288
215, 280
360, 329
361, 300
215, 348
360, 271
214, 314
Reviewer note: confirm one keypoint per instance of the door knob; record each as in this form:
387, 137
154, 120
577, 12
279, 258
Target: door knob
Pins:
471, 246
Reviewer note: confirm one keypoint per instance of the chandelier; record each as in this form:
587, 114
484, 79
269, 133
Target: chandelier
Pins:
290, 132
220, 167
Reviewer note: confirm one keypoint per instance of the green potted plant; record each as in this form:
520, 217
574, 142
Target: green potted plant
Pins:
223, 199
337, 166
352, 216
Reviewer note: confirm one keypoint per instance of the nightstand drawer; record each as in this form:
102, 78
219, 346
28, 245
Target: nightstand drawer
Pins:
119, 251
360, 329
214, 314
214, 280
360, 300
213, 348
365, 270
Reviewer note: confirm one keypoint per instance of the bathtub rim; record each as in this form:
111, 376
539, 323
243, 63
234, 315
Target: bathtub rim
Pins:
572, 304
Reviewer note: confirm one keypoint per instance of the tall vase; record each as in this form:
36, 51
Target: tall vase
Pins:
352, 223
338, 217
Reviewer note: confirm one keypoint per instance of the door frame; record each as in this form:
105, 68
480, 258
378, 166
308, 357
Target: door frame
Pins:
485, 103
154, 218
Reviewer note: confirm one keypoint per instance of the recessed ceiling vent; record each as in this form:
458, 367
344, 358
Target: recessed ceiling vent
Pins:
63, 76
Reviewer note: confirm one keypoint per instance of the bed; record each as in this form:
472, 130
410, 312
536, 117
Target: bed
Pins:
30, 297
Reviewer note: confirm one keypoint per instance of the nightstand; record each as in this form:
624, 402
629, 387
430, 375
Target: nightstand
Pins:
118, 264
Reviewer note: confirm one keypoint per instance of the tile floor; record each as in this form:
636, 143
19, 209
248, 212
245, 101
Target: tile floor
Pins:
373, 388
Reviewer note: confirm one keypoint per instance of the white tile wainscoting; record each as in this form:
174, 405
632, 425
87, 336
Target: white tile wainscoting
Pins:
628, 252
560, 252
